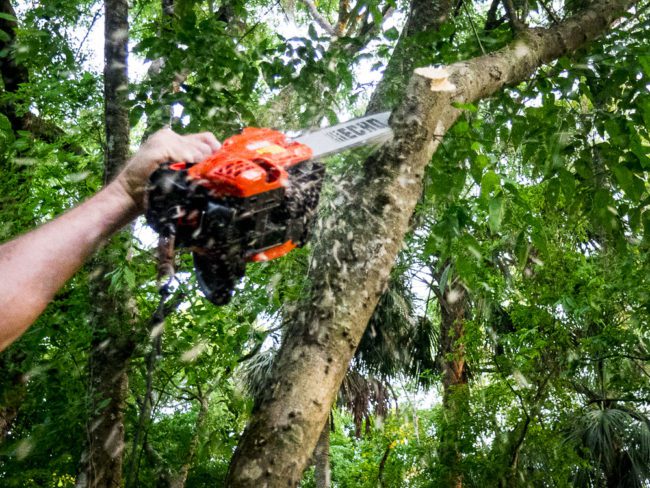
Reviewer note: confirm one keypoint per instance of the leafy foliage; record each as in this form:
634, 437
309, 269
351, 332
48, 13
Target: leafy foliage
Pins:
536, 206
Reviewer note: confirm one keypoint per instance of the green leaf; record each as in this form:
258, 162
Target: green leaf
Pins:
478, 164
626, 180
489, 182
465, 106
444, 278
497, 210
391, 34
129, 277
312, 32
644, 61
521, 249
553, 190
567, 183
461, 127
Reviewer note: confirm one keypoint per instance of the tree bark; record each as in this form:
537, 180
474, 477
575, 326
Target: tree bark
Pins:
454, 382
113, 340
322, 471
102, 461
355, 250
116, 82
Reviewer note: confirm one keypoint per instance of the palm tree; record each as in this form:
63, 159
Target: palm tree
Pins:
614, 437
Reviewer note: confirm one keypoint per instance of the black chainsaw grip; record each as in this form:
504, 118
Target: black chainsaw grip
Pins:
218, 275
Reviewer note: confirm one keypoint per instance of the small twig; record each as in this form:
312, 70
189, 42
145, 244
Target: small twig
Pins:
382, 465
319, 18
471, 22
550, 12
257, 24
251, 354
90, 28
515, 23
457, 7
622, 399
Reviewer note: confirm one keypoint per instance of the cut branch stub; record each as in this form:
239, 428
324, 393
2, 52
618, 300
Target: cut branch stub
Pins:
439, 78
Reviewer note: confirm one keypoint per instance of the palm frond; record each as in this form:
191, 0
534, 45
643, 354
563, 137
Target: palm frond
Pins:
396, 340
254, 374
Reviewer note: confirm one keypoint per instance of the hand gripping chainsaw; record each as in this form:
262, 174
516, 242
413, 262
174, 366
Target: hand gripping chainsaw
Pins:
252, 200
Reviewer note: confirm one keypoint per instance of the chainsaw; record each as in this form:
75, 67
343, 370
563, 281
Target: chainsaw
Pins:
252, 200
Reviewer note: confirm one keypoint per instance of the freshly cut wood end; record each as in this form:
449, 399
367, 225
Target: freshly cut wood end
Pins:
439, 78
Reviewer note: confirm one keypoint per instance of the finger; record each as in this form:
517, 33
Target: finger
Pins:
162, 136
204, 149
209, 139
195, 154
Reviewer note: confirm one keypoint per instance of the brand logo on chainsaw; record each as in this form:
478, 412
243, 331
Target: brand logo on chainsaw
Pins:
355, 130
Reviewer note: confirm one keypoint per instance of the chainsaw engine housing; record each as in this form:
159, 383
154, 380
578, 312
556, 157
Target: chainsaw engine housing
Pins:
253, 200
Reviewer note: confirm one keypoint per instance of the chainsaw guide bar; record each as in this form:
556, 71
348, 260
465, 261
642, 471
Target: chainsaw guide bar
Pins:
254, 199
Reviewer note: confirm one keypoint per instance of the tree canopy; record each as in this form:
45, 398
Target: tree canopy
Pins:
472, 308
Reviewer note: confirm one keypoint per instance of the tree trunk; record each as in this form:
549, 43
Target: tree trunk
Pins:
102, 462
454, 382
179, 480
113, 319
355, 250
322, 471
116, 81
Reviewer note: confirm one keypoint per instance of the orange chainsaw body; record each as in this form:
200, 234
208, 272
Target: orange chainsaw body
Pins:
252, 200
250, 163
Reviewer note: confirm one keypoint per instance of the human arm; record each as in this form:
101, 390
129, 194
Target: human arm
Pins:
35, 265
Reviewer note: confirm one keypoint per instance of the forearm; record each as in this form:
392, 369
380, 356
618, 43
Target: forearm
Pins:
35, 265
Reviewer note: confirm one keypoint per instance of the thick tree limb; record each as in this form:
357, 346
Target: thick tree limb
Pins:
355, 251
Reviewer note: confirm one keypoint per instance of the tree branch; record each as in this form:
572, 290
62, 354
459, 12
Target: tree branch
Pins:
491, 21
318, 18
552, 15
515, 23
376, 207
